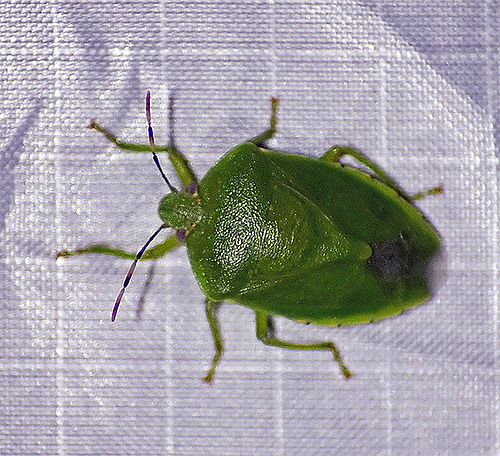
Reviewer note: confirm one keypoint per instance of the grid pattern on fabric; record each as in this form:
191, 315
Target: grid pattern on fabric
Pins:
412, 84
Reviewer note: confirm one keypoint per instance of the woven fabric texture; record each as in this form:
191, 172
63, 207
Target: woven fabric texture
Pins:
412, 84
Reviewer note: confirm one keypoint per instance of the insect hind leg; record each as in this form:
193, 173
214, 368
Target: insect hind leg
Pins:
263, 334
334, 154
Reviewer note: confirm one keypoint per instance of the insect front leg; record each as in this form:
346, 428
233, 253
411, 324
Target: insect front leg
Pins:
180, 163
150, 254
264, 335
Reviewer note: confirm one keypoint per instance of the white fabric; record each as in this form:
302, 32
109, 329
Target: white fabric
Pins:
412, 84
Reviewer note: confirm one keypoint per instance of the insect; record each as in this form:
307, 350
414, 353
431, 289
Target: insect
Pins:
309, 239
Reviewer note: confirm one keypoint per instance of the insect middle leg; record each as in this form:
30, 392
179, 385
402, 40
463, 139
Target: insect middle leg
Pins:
273, 121
264, 335
211, 309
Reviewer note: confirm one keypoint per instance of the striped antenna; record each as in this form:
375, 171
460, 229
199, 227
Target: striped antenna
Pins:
131, 271
152, 142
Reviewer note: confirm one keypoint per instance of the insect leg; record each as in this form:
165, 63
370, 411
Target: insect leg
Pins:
271, 131
433, 191
179, 162
262, 325
150, 254
211, 308
334, 154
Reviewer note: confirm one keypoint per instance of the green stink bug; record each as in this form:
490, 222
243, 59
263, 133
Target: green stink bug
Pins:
289, 235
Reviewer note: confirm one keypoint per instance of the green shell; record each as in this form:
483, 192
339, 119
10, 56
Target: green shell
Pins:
304, 238
313, 241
